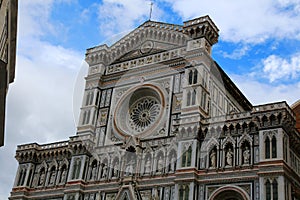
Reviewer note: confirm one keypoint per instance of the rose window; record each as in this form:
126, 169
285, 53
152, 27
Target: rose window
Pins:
143, 113
140, 111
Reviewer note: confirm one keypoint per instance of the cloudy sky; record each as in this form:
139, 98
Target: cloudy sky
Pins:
259, 48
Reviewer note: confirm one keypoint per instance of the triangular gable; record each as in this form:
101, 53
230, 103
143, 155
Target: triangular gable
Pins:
164, 36
126, 193
131, 141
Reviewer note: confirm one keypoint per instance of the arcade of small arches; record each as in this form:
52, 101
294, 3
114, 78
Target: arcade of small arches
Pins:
108, 168
43, 175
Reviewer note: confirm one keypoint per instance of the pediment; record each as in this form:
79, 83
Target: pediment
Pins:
163, 36
131, 141
126, 193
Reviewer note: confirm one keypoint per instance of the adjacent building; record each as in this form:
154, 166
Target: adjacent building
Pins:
8, 37
161, 120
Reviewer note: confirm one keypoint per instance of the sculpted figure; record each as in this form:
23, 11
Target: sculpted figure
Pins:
104, 172
160, 165
148, 166
63, 176
213, 158
246, 155
52, 178
173, 163
229, 155
42, 178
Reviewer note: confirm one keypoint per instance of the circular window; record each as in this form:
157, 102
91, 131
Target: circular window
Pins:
143, 113
139, 110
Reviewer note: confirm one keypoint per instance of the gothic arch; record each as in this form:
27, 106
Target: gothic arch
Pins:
227, 140
211, 144
229, 192
53, 163
243, 138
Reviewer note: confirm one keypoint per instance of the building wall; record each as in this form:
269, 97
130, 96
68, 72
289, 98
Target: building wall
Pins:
8, 35
161, 120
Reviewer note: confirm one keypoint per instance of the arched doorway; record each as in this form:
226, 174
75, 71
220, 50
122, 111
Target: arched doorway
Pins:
229, 193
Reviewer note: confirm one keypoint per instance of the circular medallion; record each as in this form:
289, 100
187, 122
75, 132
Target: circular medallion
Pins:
147, 47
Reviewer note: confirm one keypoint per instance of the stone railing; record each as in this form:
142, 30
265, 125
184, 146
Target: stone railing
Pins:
274, 106
224, 118
43, 146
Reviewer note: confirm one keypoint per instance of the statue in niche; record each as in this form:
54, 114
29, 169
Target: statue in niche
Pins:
246, 155
229, 155
160, 164
52, 177
63, 176
129, 169
173, 163
93, 175
213, 158
35, 180
115, 169
104, 172
148, 166
42, 178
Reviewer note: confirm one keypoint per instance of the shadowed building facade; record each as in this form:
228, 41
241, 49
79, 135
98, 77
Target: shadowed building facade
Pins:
160, 120
8, 37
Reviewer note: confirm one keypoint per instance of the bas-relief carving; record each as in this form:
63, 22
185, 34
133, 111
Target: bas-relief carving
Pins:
177, 103
103, 113
146, 194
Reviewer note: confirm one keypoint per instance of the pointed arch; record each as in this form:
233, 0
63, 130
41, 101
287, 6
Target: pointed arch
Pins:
268, 189
274, 147
267, 148
275, 189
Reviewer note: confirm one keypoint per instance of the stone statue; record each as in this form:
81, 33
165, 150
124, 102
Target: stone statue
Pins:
229, 155
42, 178
115, 169
93, 175
246, 155
35, 180
52, 178
173, 163
148, 166
213, 158
160, 164
104, 172
129, 169
63, 176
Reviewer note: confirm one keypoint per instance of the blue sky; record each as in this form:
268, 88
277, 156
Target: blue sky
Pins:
259, 48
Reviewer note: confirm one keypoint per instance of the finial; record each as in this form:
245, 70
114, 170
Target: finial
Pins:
150, 14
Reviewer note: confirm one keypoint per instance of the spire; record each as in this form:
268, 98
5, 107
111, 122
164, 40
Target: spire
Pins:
150, 13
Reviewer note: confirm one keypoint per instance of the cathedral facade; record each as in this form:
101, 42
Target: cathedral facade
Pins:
160, 120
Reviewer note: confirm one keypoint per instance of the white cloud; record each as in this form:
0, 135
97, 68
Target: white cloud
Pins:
39, 102
117, 16
262, 93
237, 53
247, 21
278, 68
